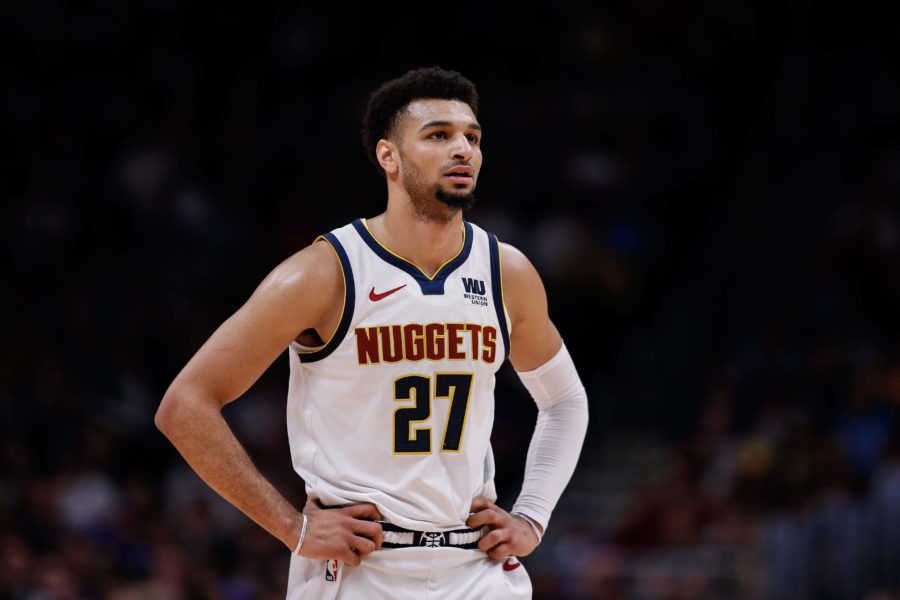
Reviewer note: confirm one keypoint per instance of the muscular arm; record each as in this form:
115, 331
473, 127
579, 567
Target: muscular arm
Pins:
233, 358
533, 338
537, 354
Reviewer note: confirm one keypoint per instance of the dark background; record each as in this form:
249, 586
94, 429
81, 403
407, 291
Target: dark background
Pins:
708, 189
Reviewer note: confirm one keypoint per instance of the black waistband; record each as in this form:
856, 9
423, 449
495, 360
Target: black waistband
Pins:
400, 537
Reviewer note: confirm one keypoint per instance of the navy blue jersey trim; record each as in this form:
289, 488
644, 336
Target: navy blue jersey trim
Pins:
349, 304
497, 288
430, 286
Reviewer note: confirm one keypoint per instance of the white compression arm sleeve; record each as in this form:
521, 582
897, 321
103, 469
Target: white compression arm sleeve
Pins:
558, 436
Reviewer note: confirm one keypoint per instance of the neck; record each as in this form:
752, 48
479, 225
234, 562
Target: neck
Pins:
427, 243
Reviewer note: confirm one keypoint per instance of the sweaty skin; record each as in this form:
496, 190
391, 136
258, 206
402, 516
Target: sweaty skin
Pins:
435, 143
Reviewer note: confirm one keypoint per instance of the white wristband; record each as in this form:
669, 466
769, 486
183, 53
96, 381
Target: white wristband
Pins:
302, 536
530, 521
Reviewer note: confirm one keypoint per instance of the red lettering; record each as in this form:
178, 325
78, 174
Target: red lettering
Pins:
414, 341
391, 343
367, 345
454, 340
490, 345
475, 330
435, 343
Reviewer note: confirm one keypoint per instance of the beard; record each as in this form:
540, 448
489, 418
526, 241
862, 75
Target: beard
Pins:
433, 202
460, 200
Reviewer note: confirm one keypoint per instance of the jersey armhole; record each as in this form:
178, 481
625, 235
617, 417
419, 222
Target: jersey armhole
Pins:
340, 331
497, 291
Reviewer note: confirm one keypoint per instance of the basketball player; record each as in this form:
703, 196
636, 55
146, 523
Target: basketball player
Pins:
395, 326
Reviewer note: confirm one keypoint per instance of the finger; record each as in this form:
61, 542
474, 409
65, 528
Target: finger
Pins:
363, 546
480, 503
491, 540
379, 537
364, 510
476, 520
350, 558
368, 529
500, 551
487, 516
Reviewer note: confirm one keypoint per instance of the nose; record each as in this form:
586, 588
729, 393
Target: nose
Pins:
461, 148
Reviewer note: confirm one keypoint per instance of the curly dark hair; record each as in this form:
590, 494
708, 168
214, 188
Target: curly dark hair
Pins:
386, 104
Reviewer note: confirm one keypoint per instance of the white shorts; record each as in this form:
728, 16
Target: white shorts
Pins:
410, 573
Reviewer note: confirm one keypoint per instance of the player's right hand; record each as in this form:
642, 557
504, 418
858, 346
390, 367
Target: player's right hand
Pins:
346, 534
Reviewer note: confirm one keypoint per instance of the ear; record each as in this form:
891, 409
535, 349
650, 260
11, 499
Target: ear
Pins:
388, 156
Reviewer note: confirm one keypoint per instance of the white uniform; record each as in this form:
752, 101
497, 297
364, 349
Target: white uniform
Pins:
397, 409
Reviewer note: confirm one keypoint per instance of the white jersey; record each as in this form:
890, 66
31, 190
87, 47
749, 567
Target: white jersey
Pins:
397, 407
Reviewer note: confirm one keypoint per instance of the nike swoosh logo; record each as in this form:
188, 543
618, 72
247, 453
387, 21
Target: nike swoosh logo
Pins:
376, 297
508, 566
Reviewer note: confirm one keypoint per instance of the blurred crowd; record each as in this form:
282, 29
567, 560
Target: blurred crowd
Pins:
710, 195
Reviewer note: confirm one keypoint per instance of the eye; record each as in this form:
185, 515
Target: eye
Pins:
473, 139
438, 135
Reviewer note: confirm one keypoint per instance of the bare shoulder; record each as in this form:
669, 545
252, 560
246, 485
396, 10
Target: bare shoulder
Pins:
533, 337
298, 294
315, 267
522, 284
303, 290
514, 260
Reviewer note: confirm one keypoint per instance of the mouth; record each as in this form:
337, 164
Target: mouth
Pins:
461, 175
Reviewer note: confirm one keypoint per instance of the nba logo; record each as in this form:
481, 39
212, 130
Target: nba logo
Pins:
331, 570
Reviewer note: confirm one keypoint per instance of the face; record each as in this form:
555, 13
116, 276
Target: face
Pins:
439, 142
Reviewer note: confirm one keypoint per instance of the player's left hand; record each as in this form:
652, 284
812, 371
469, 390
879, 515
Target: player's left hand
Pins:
509, 535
